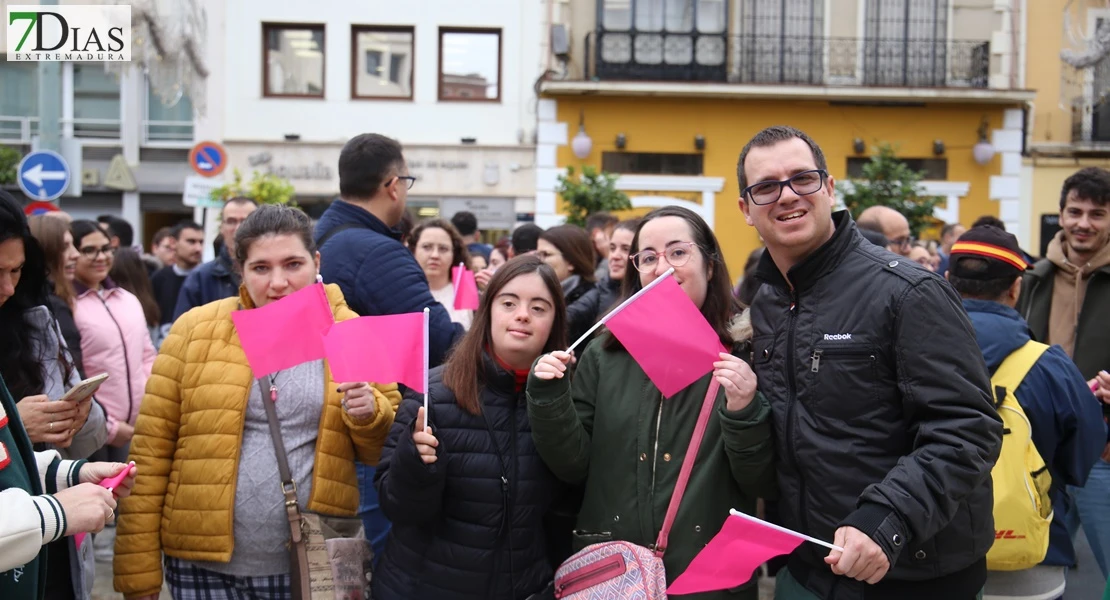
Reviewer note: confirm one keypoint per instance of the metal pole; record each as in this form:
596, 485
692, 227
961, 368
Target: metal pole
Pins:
50, 100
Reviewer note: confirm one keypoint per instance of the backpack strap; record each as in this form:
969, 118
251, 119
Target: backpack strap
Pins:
335, 231
1014, 368
687, 466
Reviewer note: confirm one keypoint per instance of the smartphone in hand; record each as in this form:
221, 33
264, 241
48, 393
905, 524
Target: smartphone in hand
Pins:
86, 388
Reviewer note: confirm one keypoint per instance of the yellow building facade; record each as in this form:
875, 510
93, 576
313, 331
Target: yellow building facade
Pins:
843, 103
1066, 132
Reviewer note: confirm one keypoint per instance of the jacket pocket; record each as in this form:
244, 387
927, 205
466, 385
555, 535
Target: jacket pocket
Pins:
842, 371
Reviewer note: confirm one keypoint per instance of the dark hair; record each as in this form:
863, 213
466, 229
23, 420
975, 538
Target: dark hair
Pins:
524, 238
119, 228
182, 226
1091, 183
51, 235
81, 228
465, 222
129, 272
771, 136
989, 220
948, 229
628, 225
19, 366
577, 248
980, 289
365, 162
238, 200
458, 248
405, 226
161, 234
600, 220
720, 305
273, 219
503, 245
464, 372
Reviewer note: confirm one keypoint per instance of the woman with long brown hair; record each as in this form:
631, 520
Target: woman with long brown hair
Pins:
129, 272
468, 494
56, 242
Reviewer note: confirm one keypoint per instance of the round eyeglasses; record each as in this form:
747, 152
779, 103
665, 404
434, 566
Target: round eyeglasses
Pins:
676, 255
769, 192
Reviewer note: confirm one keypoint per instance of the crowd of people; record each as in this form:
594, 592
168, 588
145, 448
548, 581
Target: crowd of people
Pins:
858, 399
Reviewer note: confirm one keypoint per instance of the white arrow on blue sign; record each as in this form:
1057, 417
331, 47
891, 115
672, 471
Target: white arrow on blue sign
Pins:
43, 175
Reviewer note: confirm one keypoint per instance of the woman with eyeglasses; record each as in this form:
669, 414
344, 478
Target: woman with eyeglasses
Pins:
611, 429
569, 250
114, 337
438, 248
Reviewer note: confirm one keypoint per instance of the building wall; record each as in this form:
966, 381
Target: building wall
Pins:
422, 120
1051, 119
669, 125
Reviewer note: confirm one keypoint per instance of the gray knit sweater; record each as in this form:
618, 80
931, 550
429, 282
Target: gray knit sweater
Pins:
260, 525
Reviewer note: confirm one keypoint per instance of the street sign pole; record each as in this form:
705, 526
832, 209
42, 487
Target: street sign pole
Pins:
50, 100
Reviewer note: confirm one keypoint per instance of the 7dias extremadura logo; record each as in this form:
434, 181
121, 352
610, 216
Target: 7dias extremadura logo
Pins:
68, 33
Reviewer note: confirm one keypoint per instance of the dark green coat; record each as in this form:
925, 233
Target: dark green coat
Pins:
602, 431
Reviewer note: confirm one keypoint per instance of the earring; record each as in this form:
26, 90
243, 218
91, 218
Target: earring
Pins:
319, 278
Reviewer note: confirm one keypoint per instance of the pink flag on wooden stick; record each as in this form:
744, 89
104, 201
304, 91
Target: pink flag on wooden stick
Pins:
287, 332
666, 334
733, 555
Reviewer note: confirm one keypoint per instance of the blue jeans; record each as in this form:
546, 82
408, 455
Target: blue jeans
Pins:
1092, 508
373, 519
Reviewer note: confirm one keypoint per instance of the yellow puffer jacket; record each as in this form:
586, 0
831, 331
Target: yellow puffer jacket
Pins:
187, 442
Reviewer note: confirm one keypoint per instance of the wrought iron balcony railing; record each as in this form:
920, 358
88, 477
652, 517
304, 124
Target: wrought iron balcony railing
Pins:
781, 59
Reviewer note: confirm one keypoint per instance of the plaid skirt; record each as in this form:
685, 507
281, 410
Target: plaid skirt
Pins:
190, 582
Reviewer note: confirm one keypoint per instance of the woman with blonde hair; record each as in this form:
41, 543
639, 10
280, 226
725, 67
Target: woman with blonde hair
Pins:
211, 498
56, 242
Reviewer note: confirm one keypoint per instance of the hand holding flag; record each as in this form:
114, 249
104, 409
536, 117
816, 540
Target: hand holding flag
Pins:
733, 555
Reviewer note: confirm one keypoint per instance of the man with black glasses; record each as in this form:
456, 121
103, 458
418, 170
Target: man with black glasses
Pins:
881, 404
891, 224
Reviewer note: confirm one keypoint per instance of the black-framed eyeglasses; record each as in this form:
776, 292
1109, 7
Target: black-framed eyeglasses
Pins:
91, 252
676, 255
903, 242
769, 192
408, 179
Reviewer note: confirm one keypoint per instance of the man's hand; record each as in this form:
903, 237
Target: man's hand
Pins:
862, 558
87, 506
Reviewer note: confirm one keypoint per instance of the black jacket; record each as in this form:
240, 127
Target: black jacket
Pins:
882, 416
447, 541
167, 285
589, 307
64, 315
212, 281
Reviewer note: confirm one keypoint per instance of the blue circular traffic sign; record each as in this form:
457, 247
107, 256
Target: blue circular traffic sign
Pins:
43, 175
208, 159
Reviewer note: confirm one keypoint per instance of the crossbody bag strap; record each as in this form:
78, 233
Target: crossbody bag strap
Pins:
687, 466
288, 485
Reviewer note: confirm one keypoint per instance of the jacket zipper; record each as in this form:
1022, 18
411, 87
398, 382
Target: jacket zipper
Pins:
815, 358
655, 451
126, 362
612, 563
792, 399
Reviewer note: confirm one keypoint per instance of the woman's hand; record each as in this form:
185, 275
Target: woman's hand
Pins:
359, 400
46, 421
95, 472
737, 379
554, 365
426, 443
124, 433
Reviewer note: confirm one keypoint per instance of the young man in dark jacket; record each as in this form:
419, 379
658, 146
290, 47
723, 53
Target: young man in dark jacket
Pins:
985, 267
1066, 300
884, 427
361, 251
219, 278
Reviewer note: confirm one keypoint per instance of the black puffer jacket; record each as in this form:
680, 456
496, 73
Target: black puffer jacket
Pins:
447, 541
591, 306
882, 417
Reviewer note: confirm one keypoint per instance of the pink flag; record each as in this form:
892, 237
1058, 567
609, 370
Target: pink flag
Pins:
733, 555
382, 349
287, 332
668, 336
466, 289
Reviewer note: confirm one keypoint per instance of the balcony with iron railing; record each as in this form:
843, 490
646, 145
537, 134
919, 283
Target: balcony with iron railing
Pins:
785, 60
18, 131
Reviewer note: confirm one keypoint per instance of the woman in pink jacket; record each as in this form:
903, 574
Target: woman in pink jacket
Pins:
114, 336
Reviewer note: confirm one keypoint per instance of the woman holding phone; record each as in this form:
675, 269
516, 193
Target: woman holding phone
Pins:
38, 369
211, 501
